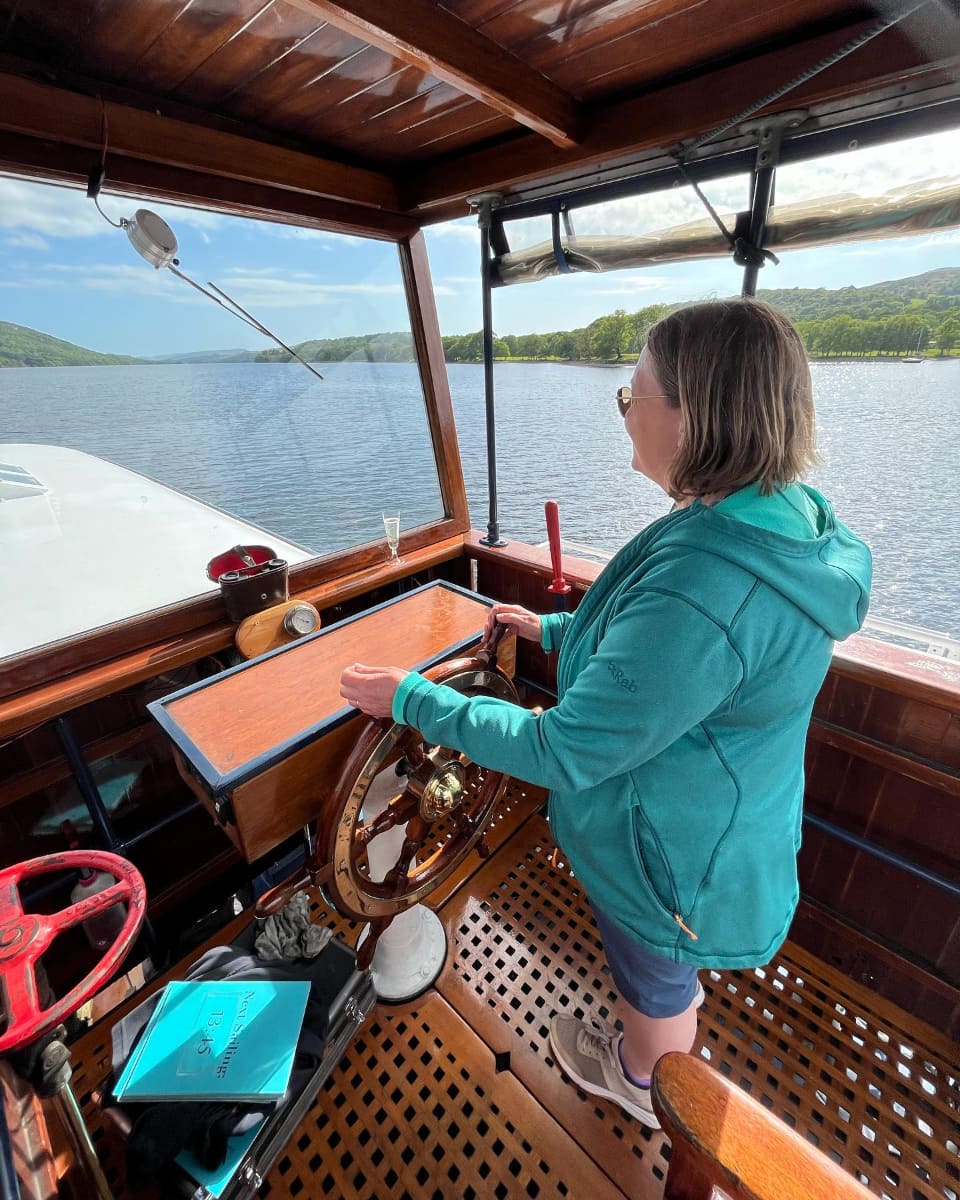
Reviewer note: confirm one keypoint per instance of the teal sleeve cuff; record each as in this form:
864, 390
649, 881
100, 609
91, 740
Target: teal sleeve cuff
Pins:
551, 630
410, 683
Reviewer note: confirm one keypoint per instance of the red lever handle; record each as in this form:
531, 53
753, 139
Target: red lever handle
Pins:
559, 587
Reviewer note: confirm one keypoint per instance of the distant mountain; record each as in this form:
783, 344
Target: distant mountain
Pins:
23, 347
207, 356
935, 291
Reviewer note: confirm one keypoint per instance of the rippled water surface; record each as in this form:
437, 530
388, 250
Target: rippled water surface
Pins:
318, 462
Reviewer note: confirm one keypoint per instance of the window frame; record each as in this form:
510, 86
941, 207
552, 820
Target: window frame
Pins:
54, 660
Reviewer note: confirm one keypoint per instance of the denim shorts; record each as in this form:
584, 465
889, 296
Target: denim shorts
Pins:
648, 982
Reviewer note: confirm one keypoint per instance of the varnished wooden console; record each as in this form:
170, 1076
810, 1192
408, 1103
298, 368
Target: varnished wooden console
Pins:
261, 744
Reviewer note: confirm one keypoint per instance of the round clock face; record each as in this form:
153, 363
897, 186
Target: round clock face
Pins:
301, 620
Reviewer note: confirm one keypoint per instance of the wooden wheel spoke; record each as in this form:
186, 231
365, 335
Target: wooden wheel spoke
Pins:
464, 822
410, 746
396, 813
396, 879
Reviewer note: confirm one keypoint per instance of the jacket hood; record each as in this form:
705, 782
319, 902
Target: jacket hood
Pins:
793, 542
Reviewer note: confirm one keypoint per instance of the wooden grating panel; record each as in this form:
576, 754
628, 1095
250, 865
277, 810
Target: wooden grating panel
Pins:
861, 1080
522, 945
456, 1094
871, 1087
419, 1107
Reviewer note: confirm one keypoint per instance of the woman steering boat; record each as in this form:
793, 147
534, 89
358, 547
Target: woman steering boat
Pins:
686, 680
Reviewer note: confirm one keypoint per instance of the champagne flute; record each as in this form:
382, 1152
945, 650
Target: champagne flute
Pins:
391, 527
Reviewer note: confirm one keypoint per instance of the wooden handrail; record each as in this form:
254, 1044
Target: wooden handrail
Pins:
532, 560
722, 1139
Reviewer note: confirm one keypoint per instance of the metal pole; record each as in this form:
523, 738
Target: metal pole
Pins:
484, 204
69, 1111
761, 197
887, 856
88, 787
85, 781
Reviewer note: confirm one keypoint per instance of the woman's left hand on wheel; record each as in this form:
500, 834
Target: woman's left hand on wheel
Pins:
371, 689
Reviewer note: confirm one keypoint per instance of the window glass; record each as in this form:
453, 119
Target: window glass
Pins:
221, 437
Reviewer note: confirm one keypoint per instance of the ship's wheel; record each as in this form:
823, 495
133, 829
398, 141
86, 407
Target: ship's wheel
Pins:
429, 803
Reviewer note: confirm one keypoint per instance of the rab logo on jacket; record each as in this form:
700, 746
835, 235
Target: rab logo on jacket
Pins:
622, 680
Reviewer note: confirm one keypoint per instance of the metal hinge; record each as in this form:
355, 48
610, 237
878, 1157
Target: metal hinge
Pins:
223, 808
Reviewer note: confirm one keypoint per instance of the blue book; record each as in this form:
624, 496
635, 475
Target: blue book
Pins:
217, 1041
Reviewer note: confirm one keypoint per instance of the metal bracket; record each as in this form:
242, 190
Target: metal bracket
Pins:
769, 133
483, 204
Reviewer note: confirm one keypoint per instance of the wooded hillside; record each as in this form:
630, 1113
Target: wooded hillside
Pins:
23, 347
884, 320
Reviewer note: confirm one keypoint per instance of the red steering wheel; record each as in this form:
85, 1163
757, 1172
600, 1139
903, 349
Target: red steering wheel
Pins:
25, 936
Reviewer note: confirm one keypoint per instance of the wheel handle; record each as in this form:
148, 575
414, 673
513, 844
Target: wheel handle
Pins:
24, 937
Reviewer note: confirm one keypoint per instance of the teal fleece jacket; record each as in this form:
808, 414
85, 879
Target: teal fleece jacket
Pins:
674, 754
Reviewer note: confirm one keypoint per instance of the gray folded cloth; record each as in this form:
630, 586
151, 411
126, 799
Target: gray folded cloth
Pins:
290, 933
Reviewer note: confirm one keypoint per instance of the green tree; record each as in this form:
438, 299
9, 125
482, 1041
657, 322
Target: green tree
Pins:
948, 333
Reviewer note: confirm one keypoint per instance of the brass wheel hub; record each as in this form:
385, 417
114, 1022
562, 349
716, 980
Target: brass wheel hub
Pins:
444, 791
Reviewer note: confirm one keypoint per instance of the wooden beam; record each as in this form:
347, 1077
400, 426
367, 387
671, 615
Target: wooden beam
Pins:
668, 115
437, 42
55, 163
425, 327
41, 111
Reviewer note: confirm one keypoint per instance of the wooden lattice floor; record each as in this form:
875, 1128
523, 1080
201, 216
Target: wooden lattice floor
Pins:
455, 1095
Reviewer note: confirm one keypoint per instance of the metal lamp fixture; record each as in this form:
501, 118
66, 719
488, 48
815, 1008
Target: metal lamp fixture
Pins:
155, 241
151, 237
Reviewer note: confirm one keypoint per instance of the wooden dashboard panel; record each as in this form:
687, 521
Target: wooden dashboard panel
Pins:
261, 744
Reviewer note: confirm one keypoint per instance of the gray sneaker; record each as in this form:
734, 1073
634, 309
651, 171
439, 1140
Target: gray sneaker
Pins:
590, 1055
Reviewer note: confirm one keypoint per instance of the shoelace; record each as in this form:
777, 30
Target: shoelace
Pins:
594, 1037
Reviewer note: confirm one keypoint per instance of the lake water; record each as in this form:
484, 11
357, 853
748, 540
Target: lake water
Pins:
317, 463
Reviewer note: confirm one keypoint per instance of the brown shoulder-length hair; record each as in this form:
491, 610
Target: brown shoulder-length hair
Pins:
738, 372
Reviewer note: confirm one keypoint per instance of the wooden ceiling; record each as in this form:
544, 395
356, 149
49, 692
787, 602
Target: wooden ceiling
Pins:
394, 111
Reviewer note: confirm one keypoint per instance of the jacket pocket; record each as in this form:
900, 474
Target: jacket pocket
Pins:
657, 872
653, 864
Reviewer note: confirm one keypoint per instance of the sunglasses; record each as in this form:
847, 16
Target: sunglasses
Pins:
624, 399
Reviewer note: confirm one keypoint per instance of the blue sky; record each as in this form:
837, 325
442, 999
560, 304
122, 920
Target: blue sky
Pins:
68, 273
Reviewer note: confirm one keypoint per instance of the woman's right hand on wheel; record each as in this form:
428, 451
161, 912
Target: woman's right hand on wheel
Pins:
521, 621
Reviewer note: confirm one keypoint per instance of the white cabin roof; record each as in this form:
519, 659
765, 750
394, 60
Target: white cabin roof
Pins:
85, 543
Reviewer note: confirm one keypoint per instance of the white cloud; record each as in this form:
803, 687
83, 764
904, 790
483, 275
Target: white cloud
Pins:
62, 212
262, 286
465, 229
326, 239
628, 285
116, 279
27, 241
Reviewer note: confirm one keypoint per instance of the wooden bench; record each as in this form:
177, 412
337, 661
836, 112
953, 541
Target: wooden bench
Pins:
722, 1140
